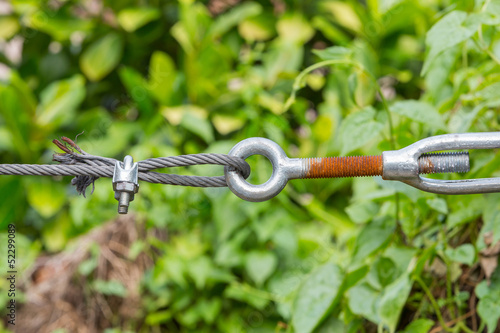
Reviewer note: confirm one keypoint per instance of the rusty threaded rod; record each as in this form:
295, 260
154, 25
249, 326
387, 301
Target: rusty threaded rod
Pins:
362, 166
338, 167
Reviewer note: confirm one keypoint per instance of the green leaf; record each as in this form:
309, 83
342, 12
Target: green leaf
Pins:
200, 270
135, 249
316, 297
333, 53
246, 294
110, 287
487, 94
173, 269
102, 56
330, 30
56, 232
46, 196
9, 26
191, 117
401, 256
132, 19
345, 15
354, 276
488, 306
257, 28
210, 309
419, 326
88, 266
462, 119
58, 25
332, 325
229, 253
199, 126
358, 129
491, 221
158, 317
488, 309
12, 203
137, 88
466, 213
384, 272
229, 20
362, 211
363, 301
372, 238
227, 124
260, 265
385, 6
363, 88
419, 111
393, 299
451, 30
16, 117
162, 76
438, 74
294, 28
464, 254
117, 138
227, 216
59, 101
438, 204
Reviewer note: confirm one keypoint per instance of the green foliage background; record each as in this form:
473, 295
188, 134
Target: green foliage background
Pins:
158, 78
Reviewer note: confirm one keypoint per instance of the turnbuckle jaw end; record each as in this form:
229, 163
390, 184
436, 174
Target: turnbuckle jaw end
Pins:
403, 164
125, 182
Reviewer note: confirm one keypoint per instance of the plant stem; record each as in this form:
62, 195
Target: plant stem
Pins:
482, 45
434, 304
464, 327
297, 85
449, 292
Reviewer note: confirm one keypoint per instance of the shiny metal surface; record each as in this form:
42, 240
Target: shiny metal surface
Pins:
125, 182
284, 169
402, 164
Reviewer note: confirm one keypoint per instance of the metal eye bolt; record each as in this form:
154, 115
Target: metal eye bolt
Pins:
284, 169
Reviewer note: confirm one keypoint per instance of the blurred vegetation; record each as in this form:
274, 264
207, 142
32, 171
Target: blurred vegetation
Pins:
158, 78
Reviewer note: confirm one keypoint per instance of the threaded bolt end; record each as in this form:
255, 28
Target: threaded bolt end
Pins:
123, 203
443, 162
362, 166
339, 167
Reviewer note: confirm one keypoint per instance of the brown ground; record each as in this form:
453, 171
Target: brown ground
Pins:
58, 296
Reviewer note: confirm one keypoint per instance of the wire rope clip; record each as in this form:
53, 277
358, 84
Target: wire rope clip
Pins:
125, 182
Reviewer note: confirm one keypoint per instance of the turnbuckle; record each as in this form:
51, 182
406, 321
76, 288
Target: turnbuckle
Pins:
404, 165
125, 182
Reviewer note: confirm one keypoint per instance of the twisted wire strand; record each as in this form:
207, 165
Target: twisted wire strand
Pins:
107, 171
87, 168
235, 163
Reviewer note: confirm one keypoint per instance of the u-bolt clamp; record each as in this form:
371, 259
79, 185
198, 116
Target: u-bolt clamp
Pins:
404, 165
125, 182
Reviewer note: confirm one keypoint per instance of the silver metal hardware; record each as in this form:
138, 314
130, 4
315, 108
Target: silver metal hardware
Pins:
402, 164
125, 182
284, 169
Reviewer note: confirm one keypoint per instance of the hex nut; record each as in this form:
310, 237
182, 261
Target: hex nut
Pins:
125, 187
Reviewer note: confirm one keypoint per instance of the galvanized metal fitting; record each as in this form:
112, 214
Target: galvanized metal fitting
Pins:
125, 182
404, 165
284, 169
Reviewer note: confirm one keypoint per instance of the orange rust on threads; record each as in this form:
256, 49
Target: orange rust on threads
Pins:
425, 164
338, 167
